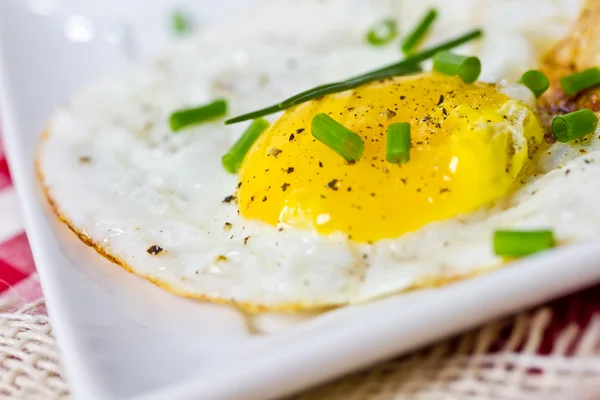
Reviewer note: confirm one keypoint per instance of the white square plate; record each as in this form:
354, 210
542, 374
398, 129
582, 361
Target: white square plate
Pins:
123, 338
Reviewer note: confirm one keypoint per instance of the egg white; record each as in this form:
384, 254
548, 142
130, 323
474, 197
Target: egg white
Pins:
142, 184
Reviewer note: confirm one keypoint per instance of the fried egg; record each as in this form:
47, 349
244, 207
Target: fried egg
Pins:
299, 228
470, 144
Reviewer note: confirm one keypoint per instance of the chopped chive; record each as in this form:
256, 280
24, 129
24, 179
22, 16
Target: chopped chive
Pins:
405, 69
522, 243
181, 23
574, 125
398, 143
232, 161
450, 44
337, 137
467, 68
292, 100
575, 83
409, 64
415, 37
536, 81
383, 32
192, 116
254, 114
396, 69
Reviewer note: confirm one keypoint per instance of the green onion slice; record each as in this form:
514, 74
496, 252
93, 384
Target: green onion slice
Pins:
254, 114
409, 64
182, 23
521, 243
536, 81
337, 137
404, 67
293, 100
383, 32
467, 68
574, 125
232, 161
192, 116
415, 37
426, 54
398, 143
575, 83
352, 83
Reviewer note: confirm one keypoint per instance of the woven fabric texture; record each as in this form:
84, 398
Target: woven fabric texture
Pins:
472, 367
29, 360
500, 361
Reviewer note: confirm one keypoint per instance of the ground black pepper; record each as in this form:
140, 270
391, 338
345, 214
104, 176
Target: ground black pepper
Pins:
333, 184
229, 199
154, 250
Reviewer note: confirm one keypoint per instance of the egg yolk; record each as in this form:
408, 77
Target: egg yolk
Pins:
469, 142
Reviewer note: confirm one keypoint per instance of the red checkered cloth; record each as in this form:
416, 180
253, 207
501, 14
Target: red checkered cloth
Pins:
18, 279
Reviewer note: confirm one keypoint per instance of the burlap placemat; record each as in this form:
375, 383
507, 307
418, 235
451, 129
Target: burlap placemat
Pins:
498, 361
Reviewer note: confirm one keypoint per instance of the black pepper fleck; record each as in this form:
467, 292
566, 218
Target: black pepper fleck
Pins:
300, 130
264, 198
290, 170
333, 184
154, 250
285, 186
229, 199
441, 100
292, 137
